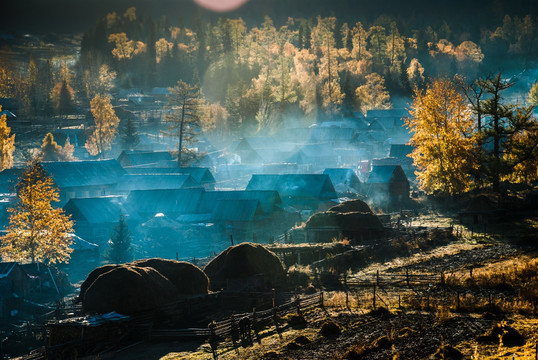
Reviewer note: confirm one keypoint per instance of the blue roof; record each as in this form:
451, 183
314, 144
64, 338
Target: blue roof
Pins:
84, 173
382, 174
317, 186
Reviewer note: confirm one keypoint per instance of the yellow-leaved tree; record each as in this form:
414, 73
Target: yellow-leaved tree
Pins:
442, 127
37, 231
106, 125
7, 144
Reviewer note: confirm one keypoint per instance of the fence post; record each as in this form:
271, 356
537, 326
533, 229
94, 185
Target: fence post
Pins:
399, 302
234, 333
321, 299
254, 327
275, 320
458, 301
407, 277
213, 341
377, 277
298, 305
374, 298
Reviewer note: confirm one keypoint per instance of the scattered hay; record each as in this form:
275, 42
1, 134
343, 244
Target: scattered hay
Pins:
330, 329
406, 331
356, 352
298, 343
296, 321
382, 342
381, 312
448, 352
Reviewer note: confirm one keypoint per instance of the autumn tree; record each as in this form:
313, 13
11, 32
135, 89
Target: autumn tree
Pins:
7, 144
119, 246
183, 120
51, 151
415, 73
373, 94
37, 231
105, 128
442, 126
533, 95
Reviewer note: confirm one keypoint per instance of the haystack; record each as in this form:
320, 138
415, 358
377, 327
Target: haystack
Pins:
245, 261
356, 205
186, 277
128, 290
92, 276
349, 221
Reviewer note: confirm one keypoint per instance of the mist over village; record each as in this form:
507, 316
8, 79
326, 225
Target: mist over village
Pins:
269, 179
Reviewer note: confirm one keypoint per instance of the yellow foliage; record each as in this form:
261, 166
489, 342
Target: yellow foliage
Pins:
106, 125
37, 231
7, 144
441, 122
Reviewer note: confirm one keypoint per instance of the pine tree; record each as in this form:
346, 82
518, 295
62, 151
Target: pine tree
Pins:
119, 246
184, 120
37, 231
130, 138
7, 144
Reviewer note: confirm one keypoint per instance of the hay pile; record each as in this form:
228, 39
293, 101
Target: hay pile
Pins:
356, 205
244, 261
186, 277
140, 285
350, 221
128, 290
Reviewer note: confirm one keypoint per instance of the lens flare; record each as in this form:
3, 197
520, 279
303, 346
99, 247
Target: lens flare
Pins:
220, 5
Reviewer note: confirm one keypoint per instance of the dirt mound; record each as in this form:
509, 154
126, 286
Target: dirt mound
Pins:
356, 205
298, 343
244, 261
382, 342
187, 278
381, 312
501, 331
128, 290
92, 276
330, 329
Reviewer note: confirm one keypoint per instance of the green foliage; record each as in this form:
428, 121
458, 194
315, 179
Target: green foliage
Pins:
119, 246
130, 138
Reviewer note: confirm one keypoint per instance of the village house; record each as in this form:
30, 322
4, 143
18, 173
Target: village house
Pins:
157, 159
343, 179
95, 218
301, 191
13, 287
387, 184
201, 175
130, 182
84, 179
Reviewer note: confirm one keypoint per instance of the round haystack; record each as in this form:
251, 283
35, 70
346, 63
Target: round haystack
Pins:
187, 278
128, 290
92, 276
356, 205
244, 261
350, 221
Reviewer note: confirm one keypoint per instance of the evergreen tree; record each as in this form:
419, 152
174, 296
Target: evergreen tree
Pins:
130, 138
119, 246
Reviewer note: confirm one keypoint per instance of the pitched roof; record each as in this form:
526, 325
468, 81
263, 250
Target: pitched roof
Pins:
177, 201
400, 150
84, 173
131, 182
201, 175
5, 268
99, 210
382, 174
317, 186
236, 210
342, 176
144, 158
380, 113
268, 199
321, 133
9, 179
